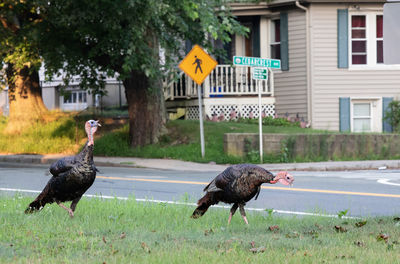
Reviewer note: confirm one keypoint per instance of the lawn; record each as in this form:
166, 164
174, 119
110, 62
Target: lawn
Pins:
182, 140
58, 136
115, 231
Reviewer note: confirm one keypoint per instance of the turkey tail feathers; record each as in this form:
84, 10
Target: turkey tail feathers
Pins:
203, 205
34, 206
39, 202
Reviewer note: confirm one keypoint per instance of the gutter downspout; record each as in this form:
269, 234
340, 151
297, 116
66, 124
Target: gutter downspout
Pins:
308, 63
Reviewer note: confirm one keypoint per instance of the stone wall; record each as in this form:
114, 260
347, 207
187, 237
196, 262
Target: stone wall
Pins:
325, 146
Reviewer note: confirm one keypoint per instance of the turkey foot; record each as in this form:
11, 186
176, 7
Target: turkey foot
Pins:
70, 212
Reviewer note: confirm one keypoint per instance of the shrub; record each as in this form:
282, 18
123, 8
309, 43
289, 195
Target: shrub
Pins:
270, 121
392, 115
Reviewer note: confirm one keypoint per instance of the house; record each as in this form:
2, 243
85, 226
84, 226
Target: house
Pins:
3, 102
333, 75
73, 98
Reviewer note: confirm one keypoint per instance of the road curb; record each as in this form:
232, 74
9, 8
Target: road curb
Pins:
168, 164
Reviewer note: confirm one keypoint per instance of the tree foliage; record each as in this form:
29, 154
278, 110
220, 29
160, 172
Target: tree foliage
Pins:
19, 30
20, 61
114, 36
137, 40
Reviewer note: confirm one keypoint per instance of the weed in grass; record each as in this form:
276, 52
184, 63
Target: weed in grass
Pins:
115, 231
343, 213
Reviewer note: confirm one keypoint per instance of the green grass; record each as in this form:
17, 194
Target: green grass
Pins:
183, 142
42, 138
114, 231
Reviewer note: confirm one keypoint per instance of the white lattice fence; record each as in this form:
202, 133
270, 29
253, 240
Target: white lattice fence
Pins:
192, 112
230, 111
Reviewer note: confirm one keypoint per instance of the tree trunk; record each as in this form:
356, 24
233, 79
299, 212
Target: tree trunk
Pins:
25, 98
146, 109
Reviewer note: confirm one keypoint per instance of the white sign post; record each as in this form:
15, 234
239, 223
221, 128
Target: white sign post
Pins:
260, 74
198, 65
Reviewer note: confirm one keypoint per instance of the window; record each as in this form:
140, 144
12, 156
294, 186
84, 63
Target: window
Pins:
358, 40
379, 39
366, 39
362, 117
275, 39
75, 97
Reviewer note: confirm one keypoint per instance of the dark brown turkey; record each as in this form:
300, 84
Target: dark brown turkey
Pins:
72, 176
238, 184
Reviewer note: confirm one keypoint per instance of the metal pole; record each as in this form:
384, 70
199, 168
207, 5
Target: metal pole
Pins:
260, 120
119, 88
201, 120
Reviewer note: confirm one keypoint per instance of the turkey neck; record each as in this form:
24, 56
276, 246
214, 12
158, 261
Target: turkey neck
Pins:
265, 176
86, 154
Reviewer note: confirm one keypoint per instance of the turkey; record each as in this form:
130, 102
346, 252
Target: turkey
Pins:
238, 184
72, 176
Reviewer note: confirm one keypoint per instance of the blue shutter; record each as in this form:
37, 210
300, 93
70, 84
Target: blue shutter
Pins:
256, 37
386, 127
344, 114
188, 46
284, 42
343, 38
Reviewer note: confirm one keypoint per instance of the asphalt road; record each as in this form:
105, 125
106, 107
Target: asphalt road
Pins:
363, 193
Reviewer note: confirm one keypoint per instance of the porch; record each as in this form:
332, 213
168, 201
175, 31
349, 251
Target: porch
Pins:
228, 93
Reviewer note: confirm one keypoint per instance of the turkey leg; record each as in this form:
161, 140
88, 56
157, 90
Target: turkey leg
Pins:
70, 212
233, 210
243, 213
74, 203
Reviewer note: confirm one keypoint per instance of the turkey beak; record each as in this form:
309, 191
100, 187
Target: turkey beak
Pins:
97, 123
291, 180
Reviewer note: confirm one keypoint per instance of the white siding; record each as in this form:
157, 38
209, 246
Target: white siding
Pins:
291, 86
328, 82
50, 97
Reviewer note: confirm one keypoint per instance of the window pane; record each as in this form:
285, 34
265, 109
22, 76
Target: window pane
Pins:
74, 98
358, 33
358, 21
362, 125
276, 51
80, 97
84, 97
379, 26
277, 34
379, 51
359, 59
359, 46
67, 99
362, 109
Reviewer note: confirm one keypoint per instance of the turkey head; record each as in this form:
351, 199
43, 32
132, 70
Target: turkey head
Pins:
91, 128
283, 177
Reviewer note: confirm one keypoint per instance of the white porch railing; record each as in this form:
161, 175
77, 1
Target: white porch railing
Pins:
224, 80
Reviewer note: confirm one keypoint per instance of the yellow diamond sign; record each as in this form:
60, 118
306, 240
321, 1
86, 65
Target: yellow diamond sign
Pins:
197, 64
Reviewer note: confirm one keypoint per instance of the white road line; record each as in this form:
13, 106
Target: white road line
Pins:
185, 203
386, 181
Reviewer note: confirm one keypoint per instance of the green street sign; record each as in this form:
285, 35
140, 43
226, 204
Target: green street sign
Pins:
260, 73
256, 62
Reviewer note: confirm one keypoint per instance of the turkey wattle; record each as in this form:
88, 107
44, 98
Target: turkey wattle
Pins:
238, 184
72, 176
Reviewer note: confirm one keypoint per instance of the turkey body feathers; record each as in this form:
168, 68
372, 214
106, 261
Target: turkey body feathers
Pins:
72, 176
237, 184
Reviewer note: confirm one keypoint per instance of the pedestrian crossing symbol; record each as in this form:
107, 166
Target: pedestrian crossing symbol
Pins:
198, 64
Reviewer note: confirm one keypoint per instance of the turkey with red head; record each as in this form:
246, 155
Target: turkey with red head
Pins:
72, 176
238, 184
